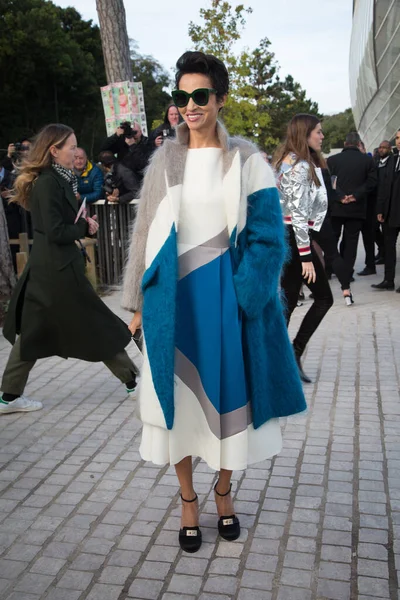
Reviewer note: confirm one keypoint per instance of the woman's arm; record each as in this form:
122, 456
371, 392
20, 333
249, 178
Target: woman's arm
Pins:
259, 271
50, 199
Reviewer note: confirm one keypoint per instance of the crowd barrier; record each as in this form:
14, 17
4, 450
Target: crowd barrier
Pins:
107, 252
113, 239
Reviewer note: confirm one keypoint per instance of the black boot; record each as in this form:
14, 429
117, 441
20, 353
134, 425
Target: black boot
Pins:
367, 271
384, 285
303, 376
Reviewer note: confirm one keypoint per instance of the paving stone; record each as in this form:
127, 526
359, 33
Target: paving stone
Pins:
190, 566
87, 562
75, 580
291, 593
296, 577
332, 570
47, 566
34, 581
11, 569
105, 592
335, 590
188, 584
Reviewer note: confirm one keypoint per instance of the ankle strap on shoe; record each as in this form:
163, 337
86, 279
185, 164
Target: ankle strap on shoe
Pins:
189, 501
222, 495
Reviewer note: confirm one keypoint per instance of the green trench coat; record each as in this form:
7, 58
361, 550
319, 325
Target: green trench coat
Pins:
54, 307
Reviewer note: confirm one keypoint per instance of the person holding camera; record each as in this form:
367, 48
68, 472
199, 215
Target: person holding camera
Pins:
120, 183
16, 152
166, 130
132, 148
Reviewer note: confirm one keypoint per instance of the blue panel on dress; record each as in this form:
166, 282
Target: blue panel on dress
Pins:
208, 332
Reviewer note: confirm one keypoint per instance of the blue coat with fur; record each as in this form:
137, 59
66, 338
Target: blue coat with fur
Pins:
258, 251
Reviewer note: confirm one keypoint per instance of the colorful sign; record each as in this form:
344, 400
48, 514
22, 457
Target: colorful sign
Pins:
123, 101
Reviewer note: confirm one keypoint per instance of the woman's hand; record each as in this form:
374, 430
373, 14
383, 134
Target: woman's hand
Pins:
158, 141
93, 224
380, 218
136, 322
308, 272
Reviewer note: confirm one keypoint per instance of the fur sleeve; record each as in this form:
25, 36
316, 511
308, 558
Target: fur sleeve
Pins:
153, 190
257, 277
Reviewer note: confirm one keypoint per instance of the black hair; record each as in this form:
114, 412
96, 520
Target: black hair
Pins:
206, 64
166, 122
107, 158
352, 139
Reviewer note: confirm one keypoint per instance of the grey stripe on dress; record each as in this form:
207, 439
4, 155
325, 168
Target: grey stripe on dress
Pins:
222, 426
203, 254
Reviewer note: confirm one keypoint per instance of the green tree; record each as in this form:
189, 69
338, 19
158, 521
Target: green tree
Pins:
336, 127
260, 103
50, 70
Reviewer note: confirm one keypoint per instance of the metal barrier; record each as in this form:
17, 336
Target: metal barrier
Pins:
113, 238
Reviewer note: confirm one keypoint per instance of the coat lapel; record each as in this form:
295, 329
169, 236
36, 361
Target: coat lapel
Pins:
68, 191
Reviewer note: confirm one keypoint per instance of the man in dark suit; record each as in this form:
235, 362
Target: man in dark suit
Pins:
356, 179
388, 209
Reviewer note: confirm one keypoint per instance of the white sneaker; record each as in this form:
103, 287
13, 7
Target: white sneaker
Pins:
21, 404
132, 394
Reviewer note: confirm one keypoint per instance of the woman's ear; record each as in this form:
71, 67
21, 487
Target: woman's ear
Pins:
54, 151
222, 101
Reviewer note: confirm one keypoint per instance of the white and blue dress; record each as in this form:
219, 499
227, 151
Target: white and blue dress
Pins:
212, 415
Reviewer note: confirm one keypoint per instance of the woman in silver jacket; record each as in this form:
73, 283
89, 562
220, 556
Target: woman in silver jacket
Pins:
304, 204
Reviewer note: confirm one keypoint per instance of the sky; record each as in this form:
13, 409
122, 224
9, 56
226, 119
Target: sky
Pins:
310, 38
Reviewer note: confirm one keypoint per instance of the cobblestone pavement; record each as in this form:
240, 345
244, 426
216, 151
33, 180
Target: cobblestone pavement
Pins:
81, 516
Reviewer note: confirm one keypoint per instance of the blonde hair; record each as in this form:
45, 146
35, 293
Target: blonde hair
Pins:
39, 158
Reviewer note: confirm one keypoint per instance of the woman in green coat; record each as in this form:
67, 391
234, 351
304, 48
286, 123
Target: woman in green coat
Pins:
54, 310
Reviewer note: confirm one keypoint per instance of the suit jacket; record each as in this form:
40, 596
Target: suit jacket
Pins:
388, 203
258, 250
356, 175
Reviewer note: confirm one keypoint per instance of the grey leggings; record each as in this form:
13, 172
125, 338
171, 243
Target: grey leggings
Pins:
17, 371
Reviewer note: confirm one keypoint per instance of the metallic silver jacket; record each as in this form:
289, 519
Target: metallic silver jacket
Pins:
303, 203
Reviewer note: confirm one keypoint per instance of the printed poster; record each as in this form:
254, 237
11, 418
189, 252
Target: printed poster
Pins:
124, 101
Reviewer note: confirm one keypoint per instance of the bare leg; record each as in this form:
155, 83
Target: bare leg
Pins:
224, 504
190, 510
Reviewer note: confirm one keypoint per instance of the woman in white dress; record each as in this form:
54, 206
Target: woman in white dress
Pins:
202, 276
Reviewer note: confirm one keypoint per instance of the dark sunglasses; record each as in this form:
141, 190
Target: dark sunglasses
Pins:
200, 97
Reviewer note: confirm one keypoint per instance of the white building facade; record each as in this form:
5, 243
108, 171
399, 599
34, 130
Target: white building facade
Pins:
375, 69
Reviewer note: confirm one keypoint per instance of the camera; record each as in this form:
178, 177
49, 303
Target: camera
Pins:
109, 184
127, 129
21, 147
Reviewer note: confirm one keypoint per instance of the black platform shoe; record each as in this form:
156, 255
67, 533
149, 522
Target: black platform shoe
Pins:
228, 527
190, 538
303, 376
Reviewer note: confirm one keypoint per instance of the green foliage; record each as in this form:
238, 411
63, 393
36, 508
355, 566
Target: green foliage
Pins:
51, 69
154, 78
335, 128
260, 104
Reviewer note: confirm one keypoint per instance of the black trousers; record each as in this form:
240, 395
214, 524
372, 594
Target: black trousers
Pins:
326, 239
368, 236
351, 231
390, 235
291, 283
